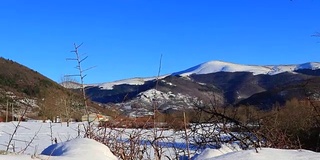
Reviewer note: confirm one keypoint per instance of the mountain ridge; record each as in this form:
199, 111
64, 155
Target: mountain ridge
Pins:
220, 66
214, 67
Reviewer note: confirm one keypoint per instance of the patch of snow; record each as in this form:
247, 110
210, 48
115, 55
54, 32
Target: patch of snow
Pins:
203, 84
151, 95
168, 83
28, 102
71, 85
10, 94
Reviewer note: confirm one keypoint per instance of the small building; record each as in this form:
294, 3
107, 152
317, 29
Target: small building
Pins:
94, 117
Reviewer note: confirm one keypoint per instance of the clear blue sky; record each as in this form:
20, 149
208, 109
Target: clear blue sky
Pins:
125, 38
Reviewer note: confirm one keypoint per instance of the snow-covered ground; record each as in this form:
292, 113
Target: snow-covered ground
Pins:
43, 137
71, 146
263, 154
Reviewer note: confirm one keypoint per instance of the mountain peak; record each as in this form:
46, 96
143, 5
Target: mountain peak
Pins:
221, 66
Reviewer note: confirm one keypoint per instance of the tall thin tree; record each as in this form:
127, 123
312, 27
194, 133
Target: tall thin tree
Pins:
81, 75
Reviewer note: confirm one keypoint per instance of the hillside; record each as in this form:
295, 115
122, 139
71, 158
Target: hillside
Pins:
23, 89
302, 90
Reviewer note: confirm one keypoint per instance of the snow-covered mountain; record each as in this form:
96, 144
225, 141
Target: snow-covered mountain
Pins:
228, 83
217, 66
220, 66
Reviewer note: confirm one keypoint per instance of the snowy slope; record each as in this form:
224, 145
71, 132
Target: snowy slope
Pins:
132, 81
219, 66
109, 85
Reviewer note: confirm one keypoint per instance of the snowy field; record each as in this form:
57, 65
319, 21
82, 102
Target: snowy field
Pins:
36, 141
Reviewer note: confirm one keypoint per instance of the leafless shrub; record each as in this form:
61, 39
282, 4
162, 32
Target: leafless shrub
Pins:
219, 125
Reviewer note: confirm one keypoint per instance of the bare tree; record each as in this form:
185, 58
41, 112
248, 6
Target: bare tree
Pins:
79, 60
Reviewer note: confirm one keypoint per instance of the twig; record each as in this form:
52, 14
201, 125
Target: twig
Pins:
15, 130
31, 140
